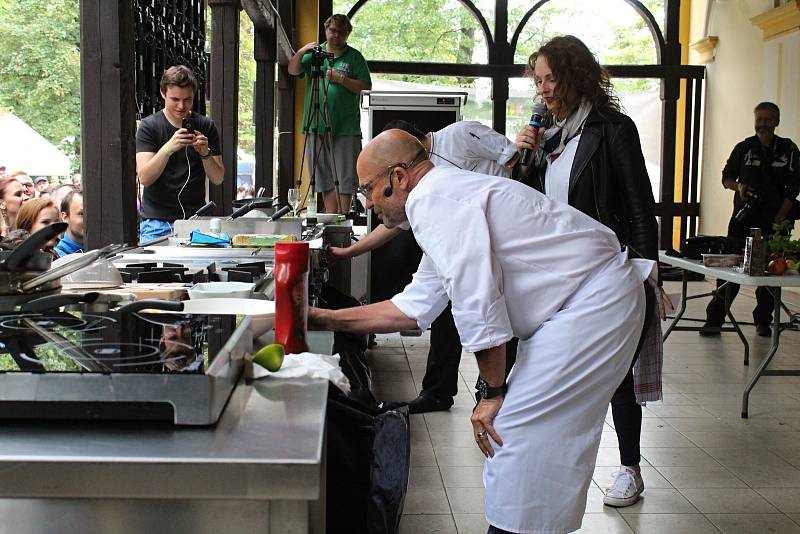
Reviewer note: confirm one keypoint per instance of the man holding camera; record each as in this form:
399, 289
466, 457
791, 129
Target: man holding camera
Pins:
176, 150
345, 76
764, 170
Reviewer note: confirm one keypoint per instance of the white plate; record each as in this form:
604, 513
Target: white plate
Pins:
216, 290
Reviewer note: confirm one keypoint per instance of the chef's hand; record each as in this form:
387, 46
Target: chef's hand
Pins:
482, 420
528, 138
340, 253
664, 304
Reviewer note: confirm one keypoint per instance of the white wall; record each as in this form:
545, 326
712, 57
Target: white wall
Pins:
746, 70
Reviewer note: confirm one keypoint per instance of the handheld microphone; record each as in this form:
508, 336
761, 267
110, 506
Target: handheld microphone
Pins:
537, 116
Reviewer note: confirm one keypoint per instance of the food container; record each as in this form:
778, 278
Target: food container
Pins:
722, 260
216, 290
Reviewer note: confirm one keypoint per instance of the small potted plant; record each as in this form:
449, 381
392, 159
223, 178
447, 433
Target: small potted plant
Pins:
784, 251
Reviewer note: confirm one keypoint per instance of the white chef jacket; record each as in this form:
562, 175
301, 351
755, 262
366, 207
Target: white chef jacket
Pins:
516, 263
472, 146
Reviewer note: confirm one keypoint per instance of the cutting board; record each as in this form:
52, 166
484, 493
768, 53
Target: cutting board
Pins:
166, 291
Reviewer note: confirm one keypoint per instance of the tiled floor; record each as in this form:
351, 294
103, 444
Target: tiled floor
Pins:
706, 470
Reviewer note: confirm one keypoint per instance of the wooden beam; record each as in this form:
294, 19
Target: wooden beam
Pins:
224, 78
286, 109
108, 121
262, 16
264, 108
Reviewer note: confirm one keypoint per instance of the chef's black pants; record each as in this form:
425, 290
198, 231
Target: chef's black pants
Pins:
441, 373
715, 311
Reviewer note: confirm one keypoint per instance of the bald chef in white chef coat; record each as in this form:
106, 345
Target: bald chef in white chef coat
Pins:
513, 263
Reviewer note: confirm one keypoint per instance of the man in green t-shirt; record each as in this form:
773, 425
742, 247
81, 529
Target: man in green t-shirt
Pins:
345, 76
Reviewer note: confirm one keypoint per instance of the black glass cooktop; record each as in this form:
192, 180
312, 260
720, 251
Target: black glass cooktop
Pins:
75, 342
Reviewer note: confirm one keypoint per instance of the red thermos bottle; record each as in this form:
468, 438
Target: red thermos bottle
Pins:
291, 295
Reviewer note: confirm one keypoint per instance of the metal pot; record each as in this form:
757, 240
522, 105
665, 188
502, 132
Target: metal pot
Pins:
28, 255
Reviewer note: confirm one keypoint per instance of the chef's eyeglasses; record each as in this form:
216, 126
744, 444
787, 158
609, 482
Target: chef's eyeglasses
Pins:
366, 189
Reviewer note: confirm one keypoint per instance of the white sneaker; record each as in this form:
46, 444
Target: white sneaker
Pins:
625, 489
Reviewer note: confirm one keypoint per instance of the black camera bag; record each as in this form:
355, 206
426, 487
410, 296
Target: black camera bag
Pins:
694, 247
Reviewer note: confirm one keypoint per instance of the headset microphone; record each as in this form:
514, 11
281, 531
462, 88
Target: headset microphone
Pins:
388, 190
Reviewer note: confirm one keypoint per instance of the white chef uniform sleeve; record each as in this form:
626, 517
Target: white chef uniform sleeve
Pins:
490, 145
455, 234
424, 298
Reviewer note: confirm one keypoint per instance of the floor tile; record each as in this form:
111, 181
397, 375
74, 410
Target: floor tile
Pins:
459, 456
670, 524
606, 523
465, 500
754, 523
428, 524
677, 457
728, 501
787, 500
471, 523
421, 501
700, 477
462, 476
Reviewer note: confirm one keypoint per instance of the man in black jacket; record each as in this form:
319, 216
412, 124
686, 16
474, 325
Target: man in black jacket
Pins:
764, 170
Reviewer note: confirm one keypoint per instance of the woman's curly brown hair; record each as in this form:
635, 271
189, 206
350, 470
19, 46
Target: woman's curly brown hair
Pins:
578, 75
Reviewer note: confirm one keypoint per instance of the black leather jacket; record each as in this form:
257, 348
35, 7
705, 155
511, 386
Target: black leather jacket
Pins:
609, 182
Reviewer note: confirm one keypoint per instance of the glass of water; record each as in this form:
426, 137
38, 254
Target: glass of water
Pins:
293, 196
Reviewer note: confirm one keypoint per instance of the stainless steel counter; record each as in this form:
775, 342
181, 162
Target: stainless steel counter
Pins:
260, 469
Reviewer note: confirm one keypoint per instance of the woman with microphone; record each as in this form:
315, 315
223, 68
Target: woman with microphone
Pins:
587, 154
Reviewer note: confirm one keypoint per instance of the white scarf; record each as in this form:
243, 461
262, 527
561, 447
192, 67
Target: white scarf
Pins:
560, 133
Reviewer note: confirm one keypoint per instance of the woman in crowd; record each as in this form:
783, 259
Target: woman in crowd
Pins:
12, 195
34, 215
588, 155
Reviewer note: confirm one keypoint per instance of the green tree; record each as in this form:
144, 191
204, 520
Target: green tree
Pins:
247, 80
40, 68
438, 31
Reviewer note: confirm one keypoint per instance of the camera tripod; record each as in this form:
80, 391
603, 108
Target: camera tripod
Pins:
318, 117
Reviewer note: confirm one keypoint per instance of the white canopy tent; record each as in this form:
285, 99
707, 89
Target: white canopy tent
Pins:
23, 149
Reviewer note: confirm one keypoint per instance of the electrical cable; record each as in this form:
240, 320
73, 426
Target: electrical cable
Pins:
189, 177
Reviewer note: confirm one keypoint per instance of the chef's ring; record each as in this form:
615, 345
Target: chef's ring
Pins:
481, 434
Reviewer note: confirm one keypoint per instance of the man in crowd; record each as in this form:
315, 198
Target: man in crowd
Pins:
42, 185
764, 171
468, 145
345, 76
76, 181
26, 181
72, 214
563, 287
173, 162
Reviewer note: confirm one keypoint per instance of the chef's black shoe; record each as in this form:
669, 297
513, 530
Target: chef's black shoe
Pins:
423, 404
763, 330
710, 330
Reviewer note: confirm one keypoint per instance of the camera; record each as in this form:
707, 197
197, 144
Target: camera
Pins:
318, 55
750, 207
187, 124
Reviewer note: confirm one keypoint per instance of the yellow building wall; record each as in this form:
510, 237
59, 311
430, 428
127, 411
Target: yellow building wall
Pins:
744, 71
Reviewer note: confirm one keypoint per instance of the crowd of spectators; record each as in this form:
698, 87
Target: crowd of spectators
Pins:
28, 204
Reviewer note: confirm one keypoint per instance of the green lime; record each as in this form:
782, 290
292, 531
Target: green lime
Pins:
270, 357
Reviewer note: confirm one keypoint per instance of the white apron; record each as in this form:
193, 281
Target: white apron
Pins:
537, 482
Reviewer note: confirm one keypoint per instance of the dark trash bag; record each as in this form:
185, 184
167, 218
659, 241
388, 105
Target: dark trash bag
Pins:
368, 460
351, 348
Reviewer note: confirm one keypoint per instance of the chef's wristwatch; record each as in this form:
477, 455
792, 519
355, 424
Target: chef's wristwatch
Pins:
485, 391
